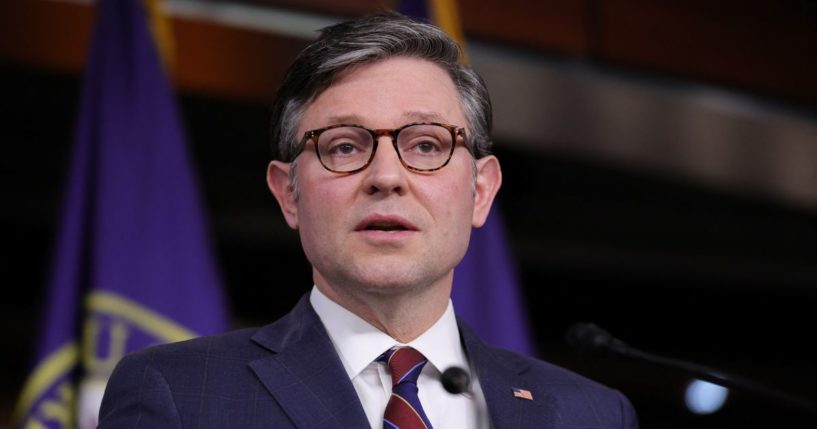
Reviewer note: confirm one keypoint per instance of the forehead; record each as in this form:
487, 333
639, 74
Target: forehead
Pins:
387, 94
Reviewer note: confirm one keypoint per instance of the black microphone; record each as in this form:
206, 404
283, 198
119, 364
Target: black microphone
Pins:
587, 338
456, 381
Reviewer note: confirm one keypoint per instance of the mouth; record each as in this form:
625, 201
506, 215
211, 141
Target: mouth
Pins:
385, 224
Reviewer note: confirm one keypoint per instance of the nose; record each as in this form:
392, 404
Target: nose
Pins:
386, 174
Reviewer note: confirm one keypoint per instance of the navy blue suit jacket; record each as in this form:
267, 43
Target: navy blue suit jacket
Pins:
288, 375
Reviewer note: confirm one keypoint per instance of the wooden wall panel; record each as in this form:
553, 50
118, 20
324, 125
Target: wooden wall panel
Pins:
211, 59
332, 7
769, 47
229, 62
49, 35
550, 25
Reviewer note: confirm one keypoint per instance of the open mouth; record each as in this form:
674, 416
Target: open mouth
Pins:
385, 227
385, 224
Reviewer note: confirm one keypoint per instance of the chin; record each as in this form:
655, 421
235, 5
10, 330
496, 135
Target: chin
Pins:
396, 281
387, 284
384, 275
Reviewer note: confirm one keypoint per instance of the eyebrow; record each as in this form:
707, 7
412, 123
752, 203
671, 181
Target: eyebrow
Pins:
345, 119
411, 116
422, 116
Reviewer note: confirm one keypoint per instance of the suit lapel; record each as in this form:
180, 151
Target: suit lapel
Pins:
304, 373
498, 376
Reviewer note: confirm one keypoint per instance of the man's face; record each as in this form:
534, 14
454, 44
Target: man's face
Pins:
386, 229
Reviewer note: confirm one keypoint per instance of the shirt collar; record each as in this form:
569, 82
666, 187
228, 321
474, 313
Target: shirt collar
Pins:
358, 343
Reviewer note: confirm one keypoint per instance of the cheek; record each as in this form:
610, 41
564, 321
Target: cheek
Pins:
455, 204
310, 204
325, 207
319, 223
319, 209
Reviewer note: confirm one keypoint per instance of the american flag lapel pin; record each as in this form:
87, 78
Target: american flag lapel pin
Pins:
522, 393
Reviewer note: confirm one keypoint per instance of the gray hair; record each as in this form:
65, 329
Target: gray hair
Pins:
373, 38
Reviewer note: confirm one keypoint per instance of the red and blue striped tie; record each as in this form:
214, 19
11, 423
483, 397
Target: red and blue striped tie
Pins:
404, 410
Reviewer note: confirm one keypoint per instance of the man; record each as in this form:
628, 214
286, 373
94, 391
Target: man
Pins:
383, 167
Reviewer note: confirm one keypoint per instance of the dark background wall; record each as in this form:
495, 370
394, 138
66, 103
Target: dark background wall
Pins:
669, 264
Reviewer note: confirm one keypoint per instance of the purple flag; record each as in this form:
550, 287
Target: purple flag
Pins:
416, 9
133, 265
486, 291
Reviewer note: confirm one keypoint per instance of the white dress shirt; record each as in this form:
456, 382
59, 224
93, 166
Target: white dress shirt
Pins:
358, 345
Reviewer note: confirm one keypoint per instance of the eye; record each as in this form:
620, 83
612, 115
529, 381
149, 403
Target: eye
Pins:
427, 147
345, 142
424, 146
424, 142
342, 149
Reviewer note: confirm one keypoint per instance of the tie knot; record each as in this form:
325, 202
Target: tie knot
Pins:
405, 364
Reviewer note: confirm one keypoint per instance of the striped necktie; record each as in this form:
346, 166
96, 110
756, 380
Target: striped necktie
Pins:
404, 410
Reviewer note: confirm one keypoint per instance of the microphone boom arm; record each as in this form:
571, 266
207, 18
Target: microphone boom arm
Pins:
587, 338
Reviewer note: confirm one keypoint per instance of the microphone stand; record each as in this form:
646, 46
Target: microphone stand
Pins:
588, 338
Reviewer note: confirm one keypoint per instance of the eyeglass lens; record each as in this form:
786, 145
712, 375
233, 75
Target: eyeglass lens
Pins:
420, 146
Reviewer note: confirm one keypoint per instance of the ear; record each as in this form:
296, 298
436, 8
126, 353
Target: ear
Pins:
281, 187
489, 179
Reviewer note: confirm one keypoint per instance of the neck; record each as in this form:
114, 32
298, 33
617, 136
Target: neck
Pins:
403, 315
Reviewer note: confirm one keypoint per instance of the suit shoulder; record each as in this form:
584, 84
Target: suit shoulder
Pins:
234, 345
537, 368
180, 366
580, 400
178, 377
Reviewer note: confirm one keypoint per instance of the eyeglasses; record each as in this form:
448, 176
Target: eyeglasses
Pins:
420, 146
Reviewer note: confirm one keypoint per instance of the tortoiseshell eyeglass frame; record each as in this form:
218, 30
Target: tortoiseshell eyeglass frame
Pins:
312, 135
